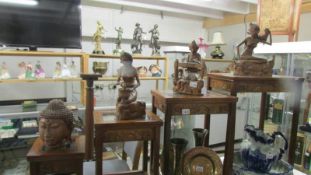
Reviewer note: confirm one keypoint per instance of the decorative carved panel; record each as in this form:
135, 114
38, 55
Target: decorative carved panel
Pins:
219, 84
128, 134
200, 108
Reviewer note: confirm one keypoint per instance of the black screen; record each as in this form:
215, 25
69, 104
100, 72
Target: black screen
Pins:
51, 23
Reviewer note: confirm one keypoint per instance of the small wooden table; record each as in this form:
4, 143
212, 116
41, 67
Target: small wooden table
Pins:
211, 103
62, 161
235, 84
112, 130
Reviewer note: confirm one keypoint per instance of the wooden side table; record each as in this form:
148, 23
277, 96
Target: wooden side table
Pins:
112, 130
234, 84
63, 161
211, 103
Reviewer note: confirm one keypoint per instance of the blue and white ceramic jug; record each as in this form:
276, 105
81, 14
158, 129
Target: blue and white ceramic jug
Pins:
260, 151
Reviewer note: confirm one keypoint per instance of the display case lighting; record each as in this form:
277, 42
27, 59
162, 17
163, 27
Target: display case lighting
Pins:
20, 2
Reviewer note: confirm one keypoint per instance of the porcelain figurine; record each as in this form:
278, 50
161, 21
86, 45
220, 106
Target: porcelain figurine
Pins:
155, 70
73, 69
248, 65
118, 41
4, 71
97, 37
154, 40
39, 71
22, 72
188, 74
142, 71
260, 151
65, 71
58, 70
29, 74
137, 44
202, 47
55, 126
127, 106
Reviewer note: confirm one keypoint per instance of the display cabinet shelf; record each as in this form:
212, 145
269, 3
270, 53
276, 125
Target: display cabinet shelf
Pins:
137, 57
39, 80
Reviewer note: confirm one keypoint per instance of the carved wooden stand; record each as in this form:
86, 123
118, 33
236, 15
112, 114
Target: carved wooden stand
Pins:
129, 130
211, 103
235, 84
69, 160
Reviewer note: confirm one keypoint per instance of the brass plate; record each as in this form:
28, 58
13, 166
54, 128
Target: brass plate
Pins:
201, 161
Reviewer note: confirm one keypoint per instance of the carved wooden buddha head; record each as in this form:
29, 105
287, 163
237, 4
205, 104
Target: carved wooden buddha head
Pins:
55, 125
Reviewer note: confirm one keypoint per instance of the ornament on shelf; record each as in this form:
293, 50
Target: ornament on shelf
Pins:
142, 71
155, 70
58, 70
218, 40
118, 41
202, 48
154, 40
137, 43
97, 37
39, 71
22, 72
65, 71
4, 71
127, 106
29, 74
73, 69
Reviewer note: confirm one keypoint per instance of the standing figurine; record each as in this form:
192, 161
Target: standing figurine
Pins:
73, 69
118, 49
57, 70
97, 37
65, 71
4, 71
154, 40
248, 65
22, 73
136, 46
127, 106
39, 72
29, 74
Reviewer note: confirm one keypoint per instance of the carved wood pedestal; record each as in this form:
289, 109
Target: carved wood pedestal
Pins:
107, 130
211, 103
234, 84
63, 161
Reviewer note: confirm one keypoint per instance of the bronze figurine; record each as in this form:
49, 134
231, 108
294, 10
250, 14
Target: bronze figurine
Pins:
248, 65
137, 44
118, 49
127, 106
154, 40
97, 37
188, 75
55, 125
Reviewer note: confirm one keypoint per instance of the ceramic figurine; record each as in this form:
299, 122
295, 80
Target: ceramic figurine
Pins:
127, 106
22, 73
55, 125
29, 74
248, 65
154, 40
58, 70
188, 75
136, 46
4, 71
73, 69
97, 37
39, 72
260, 151
142, 71
155, 70
202, 48
65, 71
118, 49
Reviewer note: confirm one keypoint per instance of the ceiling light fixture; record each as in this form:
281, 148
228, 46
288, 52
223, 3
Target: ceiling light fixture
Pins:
20, 2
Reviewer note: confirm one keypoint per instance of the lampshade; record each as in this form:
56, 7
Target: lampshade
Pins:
218, 39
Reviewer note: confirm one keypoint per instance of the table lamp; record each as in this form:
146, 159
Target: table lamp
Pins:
218, 40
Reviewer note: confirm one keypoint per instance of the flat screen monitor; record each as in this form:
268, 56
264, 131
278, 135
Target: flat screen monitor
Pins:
50, 23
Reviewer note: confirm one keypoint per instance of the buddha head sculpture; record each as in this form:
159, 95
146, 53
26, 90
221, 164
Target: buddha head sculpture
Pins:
55, 125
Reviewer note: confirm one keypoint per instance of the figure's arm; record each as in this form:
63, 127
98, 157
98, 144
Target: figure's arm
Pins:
268, 32
238, 47
138, 81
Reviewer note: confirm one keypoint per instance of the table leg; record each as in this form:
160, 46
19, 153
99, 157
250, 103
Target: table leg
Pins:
166, 143
296, 110
229, 147
207, 122
34, 168
145, 156
156, 147
263, 110
99, 158
154, 109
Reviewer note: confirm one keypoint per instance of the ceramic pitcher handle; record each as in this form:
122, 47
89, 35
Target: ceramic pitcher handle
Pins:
285, 140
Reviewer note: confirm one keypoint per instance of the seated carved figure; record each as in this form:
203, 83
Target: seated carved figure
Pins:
188, 75
248, 65
127, 106
55, 125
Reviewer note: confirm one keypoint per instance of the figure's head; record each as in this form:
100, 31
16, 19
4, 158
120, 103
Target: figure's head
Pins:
137, 24
126, 57
55, 124
253, 29
156, 26
193, 47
